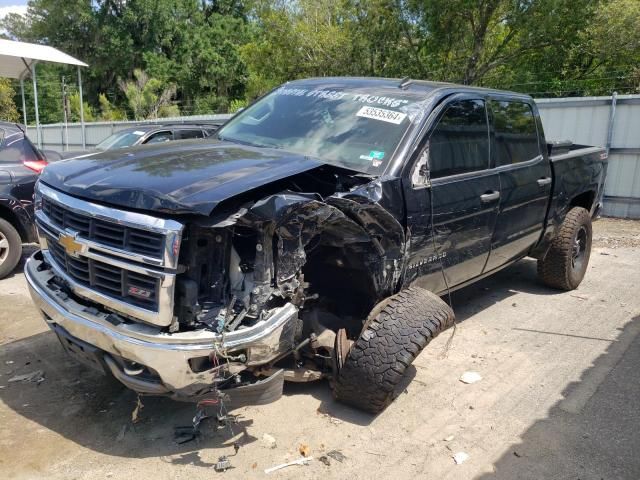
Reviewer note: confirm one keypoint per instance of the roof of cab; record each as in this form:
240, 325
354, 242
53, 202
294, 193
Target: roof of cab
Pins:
419, 88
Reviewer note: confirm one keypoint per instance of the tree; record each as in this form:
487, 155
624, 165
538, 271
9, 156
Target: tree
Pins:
148, 97
108, 111
74, 109
8, 110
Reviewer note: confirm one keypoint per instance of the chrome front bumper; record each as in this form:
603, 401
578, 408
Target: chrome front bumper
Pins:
167, 354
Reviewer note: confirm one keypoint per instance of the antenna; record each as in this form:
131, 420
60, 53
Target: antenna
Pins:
405, 82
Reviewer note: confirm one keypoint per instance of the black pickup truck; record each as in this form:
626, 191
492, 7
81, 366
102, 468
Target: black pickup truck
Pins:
311, 239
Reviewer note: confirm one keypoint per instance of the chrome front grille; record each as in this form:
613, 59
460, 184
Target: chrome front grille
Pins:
118, 282
123, 260
107, 233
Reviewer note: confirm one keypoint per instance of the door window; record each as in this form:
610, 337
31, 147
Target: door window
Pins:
516, 134
185, 134
159, 138
460, 141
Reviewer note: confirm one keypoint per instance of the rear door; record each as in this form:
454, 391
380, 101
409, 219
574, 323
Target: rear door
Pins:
462, 193
525, 180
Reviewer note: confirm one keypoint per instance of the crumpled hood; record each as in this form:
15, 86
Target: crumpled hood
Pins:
175, 177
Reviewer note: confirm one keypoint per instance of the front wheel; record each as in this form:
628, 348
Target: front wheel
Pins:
565, 264
395, 333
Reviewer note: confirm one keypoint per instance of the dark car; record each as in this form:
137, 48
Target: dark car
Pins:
312, 240
20, 166
147, 134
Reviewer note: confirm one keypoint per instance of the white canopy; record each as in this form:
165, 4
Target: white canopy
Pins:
19, 59
16, 58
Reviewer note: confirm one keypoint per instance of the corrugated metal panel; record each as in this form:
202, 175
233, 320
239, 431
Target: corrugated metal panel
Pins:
626, 132
623, 176
53, 135
586, 121
581, 125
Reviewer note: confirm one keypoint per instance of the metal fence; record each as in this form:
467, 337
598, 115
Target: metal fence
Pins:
613, 122
61, 137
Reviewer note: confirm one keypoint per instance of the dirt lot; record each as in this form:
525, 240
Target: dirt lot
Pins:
558, 396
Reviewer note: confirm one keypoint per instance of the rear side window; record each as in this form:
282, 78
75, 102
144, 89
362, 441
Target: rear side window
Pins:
516, 135
15, 149
159, 137
460, 141
185, 134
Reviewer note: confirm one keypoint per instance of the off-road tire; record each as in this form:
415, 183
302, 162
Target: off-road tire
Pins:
559, 268
9, 255
394, 334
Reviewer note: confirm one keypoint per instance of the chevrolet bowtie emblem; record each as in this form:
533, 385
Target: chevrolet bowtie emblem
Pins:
70, 245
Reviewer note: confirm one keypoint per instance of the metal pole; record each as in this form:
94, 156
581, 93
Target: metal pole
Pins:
35, 102
24, 105
84, 142
65, 130
612, 117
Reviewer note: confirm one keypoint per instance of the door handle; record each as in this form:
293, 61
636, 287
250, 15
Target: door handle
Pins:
490, 197
544, 181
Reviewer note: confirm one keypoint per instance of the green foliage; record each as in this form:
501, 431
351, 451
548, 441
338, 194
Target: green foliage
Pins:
236, 105
108, 111
148, 97
214, 51
8, 110
74, 109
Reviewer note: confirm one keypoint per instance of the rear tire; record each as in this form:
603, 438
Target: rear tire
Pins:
10, 248
565, 264
393, 336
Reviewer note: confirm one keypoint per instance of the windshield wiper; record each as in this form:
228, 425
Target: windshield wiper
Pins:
249, 144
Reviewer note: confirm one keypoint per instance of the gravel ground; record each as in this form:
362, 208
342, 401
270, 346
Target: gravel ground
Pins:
558, 396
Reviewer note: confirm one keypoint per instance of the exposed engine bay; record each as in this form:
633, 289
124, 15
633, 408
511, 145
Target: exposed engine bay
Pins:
318, 254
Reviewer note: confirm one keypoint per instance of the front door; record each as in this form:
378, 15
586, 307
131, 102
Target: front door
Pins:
460, 194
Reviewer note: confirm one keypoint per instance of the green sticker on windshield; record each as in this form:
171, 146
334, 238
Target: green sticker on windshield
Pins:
375, 157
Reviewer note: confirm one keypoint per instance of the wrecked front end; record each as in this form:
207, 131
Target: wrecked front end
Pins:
229, 305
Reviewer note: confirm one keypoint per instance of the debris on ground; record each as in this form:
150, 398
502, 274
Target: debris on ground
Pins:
300, 461
449, 438
337, 455
470, 377
580, 297
223, 464
460, 458
135, 415
268, 441
334, 420
304, 449
324, 459
36, 376
377, 454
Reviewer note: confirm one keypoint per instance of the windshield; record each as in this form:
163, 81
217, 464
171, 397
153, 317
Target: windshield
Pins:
352, 128
120, 140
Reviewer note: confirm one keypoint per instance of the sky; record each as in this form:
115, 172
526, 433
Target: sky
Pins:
12, 6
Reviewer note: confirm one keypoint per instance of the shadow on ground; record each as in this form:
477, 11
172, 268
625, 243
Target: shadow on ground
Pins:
593, 432
95, 412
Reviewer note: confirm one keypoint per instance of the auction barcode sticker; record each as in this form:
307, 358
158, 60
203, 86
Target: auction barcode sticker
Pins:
382, 114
